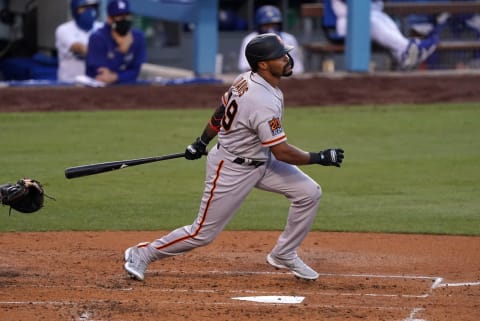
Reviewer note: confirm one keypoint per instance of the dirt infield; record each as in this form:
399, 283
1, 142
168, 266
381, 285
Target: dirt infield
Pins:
370, 277
374, 277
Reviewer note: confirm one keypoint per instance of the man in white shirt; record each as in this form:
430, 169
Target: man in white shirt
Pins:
268, 19
71, 39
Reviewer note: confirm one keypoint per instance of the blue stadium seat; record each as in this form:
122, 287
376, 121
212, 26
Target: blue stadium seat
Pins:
37, 67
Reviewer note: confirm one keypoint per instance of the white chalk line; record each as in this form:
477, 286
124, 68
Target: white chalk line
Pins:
240, 273
411, 317
177, 302
434, 279
437, 282
246, 273
458, 284
255, 292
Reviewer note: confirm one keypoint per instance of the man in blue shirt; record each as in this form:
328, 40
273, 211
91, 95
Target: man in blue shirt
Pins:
116, 51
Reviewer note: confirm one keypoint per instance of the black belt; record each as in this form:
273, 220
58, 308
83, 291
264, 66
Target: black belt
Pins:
248, 162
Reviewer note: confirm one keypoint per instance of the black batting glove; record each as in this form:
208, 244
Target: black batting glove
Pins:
196, 149
328, 157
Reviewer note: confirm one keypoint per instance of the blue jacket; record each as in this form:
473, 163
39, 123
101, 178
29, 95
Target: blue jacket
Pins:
102, 52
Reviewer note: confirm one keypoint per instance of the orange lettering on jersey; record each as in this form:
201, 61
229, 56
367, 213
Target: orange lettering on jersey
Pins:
240, 87
275, 126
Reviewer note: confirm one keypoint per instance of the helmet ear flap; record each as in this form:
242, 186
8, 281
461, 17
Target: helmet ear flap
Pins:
290, 59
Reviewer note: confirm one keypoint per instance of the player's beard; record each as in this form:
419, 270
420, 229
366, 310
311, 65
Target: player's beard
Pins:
278, 71
287, 70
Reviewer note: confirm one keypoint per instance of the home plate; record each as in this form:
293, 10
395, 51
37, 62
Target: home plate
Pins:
283, 299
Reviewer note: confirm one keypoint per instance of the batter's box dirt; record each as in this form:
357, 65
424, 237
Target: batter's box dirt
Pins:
376, 285
369, 277
260, 283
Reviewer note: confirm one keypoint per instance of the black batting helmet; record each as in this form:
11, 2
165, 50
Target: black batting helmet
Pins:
266, 46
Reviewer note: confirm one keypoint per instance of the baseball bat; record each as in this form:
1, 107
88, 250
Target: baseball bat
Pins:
92, 169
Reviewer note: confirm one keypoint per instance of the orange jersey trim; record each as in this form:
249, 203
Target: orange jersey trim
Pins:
225, 99
219, 168
274, 140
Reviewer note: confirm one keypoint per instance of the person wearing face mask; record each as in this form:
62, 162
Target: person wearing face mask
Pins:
268, 19
71, 39
116, 51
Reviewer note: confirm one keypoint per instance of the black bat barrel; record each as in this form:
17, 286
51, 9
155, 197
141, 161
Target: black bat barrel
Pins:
92, 169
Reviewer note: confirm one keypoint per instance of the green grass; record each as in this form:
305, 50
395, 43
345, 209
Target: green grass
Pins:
408, 169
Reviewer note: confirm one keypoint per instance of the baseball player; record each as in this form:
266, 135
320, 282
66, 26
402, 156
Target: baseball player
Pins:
71, 39
407, 52
252, 151
268, 19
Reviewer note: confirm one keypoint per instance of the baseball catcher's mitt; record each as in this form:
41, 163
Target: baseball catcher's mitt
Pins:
25, 196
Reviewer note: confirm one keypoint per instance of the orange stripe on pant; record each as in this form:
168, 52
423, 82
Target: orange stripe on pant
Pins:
217, 176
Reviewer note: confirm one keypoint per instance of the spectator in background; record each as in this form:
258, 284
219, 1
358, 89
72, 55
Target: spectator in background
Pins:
408, 52
71, 39
268, 19
116, 51
474, 23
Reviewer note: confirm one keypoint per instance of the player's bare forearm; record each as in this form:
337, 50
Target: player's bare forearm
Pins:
293, 155
290, 154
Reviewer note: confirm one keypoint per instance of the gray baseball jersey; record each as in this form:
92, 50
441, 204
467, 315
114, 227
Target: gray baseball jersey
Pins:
242, 161
252, 120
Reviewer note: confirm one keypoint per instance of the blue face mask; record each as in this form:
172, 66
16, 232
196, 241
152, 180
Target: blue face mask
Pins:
270, 29
86, 19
